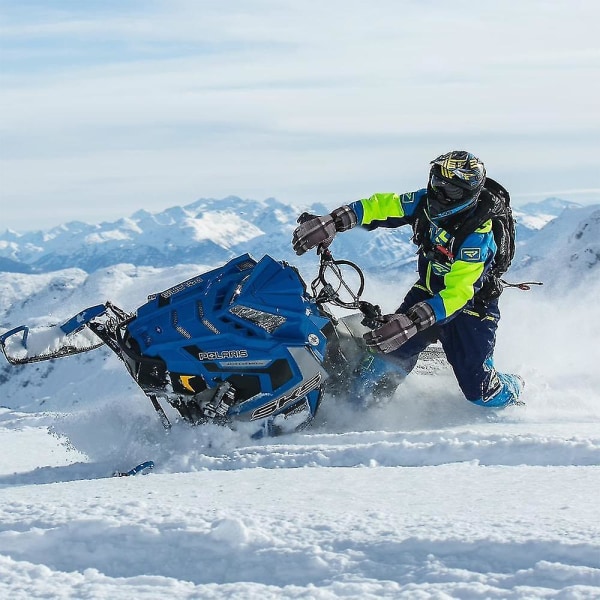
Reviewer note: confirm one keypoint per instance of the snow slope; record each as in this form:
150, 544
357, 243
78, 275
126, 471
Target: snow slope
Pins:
426, 496
478, 508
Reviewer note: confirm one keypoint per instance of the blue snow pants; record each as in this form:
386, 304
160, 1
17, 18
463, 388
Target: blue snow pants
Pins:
468, 339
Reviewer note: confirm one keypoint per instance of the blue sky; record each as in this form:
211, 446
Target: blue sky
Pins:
112, 106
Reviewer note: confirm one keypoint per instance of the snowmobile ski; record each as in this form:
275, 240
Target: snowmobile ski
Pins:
143, 468
81, 333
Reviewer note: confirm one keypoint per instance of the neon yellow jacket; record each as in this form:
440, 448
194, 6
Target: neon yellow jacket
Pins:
451, 283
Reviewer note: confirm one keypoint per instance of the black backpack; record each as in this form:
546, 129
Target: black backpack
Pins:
494, 204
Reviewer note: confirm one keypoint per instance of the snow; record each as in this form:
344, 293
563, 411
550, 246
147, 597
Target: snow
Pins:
487, 510
226, 229
426, 496
106, 236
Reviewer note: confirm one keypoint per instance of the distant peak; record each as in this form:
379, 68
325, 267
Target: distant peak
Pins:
552, 205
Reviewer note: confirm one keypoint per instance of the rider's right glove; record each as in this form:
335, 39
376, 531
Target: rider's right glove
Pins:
398, 328
317, 230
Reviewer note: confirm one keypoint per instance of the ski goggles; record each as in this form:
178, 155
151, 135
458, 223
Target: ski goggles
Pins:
446, 191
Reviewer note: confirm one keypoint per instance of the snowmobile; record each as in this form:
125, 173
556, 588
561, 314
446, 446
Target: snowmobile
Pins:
245, 342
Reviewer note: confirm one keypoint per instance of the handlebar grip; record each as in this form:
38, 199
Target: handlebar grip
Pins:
372, 317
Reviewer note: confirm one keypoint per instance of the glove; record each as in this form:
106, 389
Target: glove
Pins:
398, 328
311, 233
317, 230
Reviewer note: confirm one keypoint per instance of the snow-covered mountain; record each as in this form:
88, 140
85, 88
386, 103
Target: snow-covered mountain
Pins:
204, 232
566, 252
535, 215
210, 231
426, 496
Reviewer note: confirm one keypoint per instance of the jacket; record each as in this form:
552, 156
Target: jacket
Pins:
452, 283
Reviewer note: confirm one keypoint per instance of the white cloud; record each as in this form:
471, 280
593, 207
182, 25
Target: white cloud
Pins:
296, 99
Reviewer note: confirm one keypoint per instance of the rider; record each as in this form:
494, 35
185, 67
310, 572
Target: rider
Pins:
444, 303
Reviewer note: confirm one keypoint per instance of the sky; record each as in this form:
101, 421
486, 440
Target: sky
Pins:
112, 106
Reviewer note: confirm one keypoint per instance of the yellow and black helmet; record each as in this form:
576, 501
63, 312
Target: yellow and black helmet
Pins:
455, 182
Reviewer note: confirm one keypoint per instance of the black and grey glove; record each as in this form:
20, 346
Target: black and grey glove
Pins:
320, 231
398, 328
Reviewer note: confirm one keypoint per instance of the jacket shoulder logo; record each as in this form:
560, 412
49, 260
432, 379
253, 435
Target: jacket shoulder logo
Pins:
470, 254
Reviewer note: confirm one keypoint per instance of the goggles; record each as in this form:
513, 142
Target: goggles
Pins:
447, 192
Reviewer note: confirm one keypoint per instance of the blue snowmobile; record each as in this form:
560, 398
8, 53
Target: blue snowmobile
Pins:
246, 342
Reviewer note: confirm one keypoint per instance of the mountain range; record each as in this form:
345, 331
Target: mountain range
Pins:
211, 231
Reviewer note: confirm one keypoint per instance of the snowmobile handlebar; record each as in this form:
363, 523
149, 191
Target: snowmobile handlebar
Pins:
324, 291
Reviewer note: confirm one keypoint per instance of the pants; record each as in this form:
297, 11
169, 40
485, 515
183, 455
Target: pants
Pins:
468, 339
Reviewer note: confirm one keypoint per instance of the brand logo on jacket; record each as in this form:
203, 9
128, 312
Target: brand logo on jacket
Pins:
471, 254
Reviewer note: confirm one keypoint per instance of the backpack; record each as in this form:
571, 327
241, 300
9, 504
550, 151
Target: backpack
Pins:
494, 204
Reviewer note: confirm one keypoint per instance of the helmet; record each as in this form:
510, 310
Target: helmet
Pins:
455, 182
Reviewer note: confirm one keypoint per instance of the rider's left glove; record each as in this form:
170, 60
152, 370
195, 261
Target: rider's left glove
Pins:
320, 231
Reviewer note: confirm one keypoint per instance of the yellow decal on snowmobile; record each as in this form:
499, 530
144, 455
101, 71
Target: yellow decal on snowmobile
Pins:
185, 382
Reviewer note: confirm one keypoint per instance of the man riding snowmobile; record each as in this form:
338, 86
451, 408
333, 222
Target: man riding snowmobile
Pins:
455, 299
248, 344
